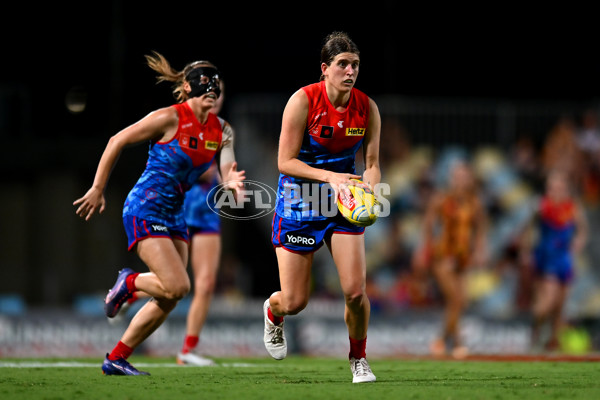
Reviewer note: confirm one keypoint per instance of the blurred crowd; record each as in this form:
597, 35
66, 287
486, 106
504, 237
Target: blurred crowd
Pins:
509, 180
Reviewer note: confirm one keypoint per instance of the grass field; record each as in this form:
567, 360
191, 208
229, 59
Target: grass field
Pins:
300, 378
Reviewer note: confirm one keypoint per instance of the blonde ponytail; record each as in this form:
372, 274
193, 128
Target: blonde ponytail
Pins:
166, 73
159, 63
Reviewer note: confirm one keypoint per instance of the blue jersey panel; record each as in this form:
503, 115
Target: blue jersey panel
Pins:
197, 208
158, 194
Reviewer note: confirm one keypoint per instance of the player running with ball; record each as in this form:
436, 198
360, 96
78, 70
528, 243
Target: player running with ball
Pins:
323, 126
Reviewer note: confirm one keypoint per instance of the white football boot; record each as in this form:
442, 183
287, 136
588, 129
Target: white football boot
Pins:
361, 372
274, 336
194, 360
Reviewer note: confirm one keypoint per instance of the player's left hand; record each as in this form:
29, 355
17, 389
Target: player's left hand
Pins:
235, 178
339, 182
91, 202
362, 184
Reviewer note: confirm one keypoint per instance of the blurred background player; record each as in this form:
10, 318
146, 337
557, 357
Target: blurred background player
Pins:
184, 140
205, 253
323, 126
455, 229
562, 231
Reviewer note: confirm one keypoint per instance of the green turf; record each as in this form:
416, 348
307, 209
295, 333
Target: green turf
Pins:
306, 378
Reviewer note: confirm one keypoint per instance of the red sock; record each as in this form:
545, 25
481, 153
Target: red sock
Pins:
189, 343
130, 281
274, 319
358, 348
133, 298
121, 350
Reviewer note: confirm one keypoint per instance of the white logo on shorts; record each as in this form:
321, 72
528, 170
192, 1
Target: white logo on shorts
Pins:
159, 228
300, 240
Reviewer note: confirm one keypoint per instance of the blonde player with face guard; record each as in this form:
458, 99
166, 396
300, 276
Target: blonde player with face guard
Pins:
184, 140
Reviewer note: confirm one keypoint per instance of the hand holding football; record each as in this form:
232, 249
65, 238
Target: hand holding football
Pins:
358, 204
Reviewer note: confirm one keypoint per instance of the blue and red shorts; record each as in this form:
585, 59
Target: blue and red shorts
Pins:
308, 236
139, 229
205, 222
557, 264
205, 230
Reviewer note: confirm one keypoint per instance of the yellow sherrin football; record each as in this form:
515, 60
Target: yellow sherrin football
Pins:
360, 205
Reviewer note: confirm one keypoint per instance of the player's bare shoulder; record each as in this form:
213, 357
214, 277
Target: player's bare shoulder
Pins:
297, 106
373, 106
165, 116
164, 121
298, 99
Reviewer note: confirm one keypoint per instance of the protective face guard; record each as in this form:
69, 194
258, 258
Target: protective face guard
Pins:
194, 77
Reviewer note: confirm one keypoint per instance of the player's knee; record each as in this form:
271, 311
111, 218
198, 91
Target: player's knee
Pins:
166, 305
540, 310
205, 287
178, 291
355, 298
292, 306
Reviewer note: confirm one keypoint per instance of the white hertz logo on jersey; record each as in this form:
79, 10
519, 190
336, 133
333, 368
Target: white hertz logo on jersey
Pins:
355, 131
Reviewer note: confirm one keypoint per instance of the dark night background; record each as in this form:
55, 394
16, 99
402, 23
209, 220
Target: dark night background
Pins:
274, 47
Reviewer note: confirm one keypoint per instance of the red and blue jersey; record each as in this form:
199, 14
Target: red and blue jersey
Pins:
331, 140
557, 224
173, 167
557, 229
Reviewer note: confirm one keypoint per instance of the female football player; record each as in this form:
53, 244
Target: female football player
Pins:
323, 126
204, 227
455, 229
184, 140
562, 234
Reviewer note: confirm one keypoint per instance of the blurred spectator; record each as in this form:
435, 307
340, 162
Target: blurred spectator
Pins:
395, 159
588, 140
397, 148
588, 135
561, 151
523, 157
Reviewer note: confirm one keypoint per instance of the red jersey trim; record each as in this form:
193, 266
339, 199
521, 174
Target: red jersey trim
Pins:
357, 100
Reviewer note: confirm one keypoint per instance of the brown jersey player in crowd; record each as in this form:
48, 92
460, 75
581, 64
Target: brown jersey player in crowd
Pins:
454, 238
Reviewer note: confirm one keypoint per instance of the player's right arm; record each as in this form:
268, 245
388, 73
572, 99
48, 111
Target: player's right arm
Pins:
160, 124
